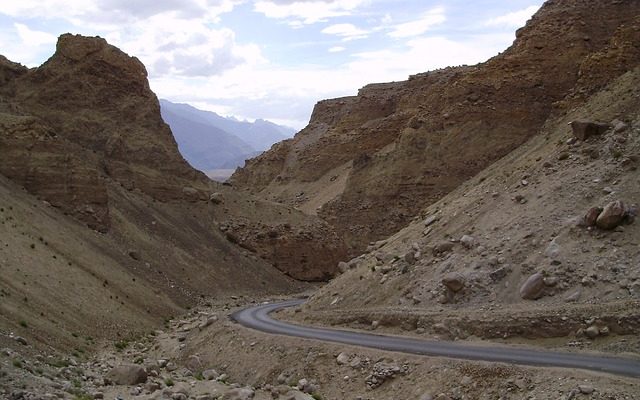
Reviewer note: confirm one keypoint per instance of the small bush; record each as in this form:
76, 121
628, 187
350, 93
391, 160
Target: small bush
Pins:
23, 323
121, 345
169, 382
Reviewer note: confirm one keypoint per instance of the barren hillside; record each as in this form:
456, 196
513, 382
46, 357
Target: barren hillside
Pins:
542, 244
105, 228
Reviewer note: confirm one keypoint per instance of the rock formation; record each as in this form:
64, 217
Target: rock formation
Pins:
83, 136
368, 164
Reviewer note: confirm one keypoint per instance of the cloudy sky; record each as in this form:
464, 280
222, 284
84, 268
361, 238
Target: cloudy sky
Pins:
271, 59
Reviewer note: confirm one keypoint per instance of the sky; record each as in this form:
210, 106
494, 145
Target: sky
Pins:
270, 59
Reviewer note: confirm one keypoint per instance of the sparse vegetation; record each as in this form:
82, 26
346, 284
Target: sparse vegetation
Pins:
23, 324
121, 344
169, 382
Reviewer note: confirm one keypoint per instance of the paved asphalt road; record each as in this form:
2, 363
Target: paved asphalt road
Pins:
258, 318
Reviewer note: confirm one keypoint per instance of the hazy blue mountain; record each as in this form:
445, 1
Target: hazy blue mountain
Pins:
209, 141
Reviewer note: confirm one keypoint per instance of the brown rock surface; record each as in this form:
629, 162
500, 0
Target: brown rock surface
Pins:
367, 164
612, 215
532, 288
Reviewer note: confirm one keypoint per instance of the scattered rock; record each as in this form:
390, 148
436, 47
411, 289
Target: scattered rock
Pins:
307, 387
454, 282
210, 374
591, 216
499, 274
619, 126
343, 267
239, 394
586, 389
533, 287
553, 250
592, 332
128, 375
430, 221
21, 340
210, 320
381, 373
612, 215
134, 254
468, 242
342, 359
410, 257
443, 247
216, 198
583, 129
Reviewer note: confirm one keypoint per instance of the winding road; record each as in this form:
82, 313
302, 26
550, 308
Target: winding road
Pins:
258, 318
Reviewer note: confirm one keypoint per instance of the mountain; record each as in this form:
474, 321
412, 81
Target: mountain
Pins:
107, 226
495, 202
211, 142
368, 164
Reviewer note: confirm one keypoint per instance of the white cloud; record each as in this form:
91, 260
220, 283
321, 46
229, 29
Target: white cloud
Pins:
187, 48
32, 37
305, 12
112, 12
429, 53
418, 27
175, 37
514, 19
346, 31
337, 49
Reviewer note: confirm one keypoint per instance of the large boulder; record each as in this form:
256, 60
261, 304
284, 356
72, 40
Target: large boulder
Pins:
583, 130
533, 287
612, 215
454, 282
128, 374
239, 394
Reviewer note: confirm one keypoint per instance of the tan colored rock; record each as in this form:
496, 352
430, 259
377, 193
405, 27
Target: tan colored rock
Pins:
454, 282
612, 215
130, 374
533, 287
583, 129
591, 216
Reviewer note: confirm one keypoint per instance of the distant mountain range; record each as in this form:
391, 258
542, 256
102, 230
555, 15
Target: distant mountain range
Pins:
211, 142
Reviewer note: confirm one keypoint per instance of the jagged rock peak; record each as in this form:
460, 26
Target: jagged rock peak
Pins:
78, 48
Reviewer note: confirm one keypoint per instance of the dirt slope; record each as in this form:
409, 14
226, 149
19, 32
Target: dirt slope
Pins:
367, 164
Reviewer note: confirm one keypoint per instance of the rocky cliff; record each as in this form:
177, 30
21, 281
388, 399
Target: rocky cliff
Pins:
368, 164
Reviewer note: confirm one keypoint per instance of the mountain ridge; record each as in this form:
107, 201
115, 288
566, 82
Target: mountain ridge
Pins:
209, 141
367, 164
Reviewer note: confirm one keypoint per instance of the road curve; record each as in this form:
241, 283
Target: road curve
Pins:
258, 318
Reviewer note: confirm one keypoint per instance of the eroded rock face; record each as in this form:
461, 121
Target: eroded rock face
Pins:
53, 168
410, 143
